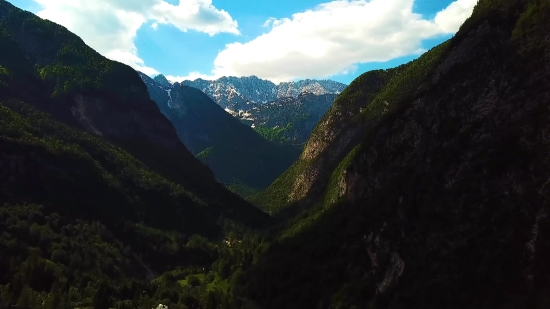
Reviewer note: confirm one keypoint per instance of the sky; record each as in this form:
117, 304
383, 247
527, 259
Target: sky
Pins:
280, 40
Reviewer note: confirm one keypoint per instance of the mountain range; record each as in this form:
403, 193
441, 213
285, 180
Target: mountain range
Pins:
284, 113
423, 186
235, 92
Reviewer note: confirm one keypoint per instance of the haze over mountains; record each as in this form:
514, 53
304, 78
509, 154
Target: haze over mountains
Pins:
423, 186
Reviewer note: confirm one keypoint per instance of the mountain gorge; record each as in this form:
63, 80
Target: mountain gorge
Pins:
423, 186
239, 157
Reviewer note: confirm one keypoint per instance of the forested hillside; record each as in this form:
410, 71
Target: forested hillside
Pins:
98, 196
435, 195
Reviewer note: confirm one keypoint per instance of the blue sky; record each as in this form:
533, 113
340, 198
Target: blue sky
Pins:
277, 40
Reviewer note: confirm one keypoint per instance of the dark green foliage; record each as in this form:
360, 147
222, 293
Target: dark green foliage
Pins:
274, 134
85, 180
242, 189
123, 181
63, 60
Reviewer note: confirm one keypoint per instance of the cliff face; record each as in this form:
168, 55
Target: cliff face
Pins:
444, 202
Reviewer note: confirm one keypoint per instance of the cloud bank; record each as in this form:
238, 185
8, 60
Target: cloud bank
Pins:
110, 26
334, 37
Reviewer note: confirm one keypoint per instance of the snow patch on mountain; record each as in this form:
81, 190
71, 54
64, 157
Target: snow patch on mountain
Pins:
169, 92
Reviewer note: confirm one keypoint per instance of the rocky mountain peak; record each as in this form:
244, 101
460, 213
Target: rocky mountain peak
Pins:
236, 92
162, 80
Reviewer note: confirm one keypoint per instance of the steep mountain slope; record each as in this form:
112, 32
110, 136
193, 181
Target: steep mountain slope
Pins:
239, 157
106, 98
235, 92
79, 87
340, 130
443, 202
97, 194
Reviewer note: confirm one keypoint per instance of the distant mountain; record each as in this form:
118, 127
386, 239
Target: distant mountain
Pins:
162, 80
240, 157
235, 92
285, 113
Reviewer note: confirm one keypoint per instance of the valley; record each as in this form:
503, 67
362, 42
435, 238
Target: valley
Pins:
418, 186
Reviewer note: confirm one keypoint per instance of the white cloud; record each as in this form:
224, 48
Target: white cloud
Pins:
334, 37
451, 18
110, 26
191, 76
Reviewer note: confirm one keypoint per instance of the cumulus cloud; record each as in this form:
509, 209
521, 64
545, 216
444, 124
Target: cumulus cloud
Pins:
451, 18
334, 37
110, 26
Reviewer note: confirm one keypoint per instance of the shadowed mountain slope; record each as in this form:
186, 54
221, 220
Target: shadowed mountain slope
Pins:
436, 195
96, 190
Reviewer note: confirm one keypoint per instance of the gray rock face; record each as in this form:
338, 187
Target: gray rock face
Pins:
161, 80
235, 92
